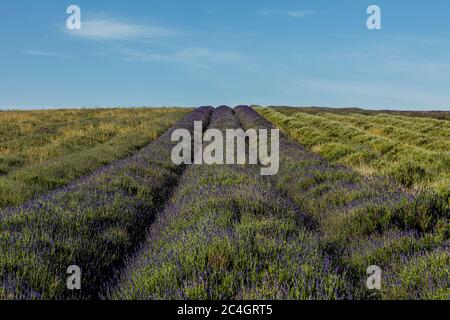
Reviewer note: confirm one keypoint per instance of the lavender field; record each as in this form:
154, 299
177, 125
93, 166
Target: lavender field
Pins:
141, 227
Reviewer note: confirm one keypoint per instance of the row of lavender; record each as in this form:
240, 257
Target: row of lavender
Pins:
226, 234
365, 222
93, 223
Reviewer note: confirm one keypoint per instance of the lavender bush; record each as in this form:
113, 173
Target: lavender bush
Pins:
309, 232
350, 210
227, 235
93, 223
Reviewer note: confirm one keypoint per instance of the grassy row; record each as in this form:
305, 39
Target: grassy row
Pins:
363, 222
36, 178
367, 153
440, 115
436, 136
226, 234
93, 223
31, 137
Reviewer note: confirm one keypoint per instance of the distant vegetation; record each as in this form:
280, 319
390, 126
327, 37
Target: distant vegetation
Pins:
413, 151
41, 150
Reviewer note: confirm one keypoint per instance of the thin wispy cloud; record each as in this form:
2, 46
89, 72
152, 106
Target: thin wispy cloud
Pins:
288, 13
48, 54
197, 57
419, 39
186, 55
116, 29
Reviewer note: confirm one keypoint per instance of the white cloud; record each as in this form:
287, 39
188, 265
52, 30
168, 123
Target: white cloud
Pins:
114, 29
289, 13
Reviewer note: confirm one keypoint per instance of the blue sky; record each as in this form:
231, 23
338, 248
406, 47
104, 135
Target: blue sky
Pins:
199, 52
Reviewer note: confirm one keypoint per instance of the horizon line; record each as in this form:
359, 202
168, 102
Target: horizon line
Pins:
99, 107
